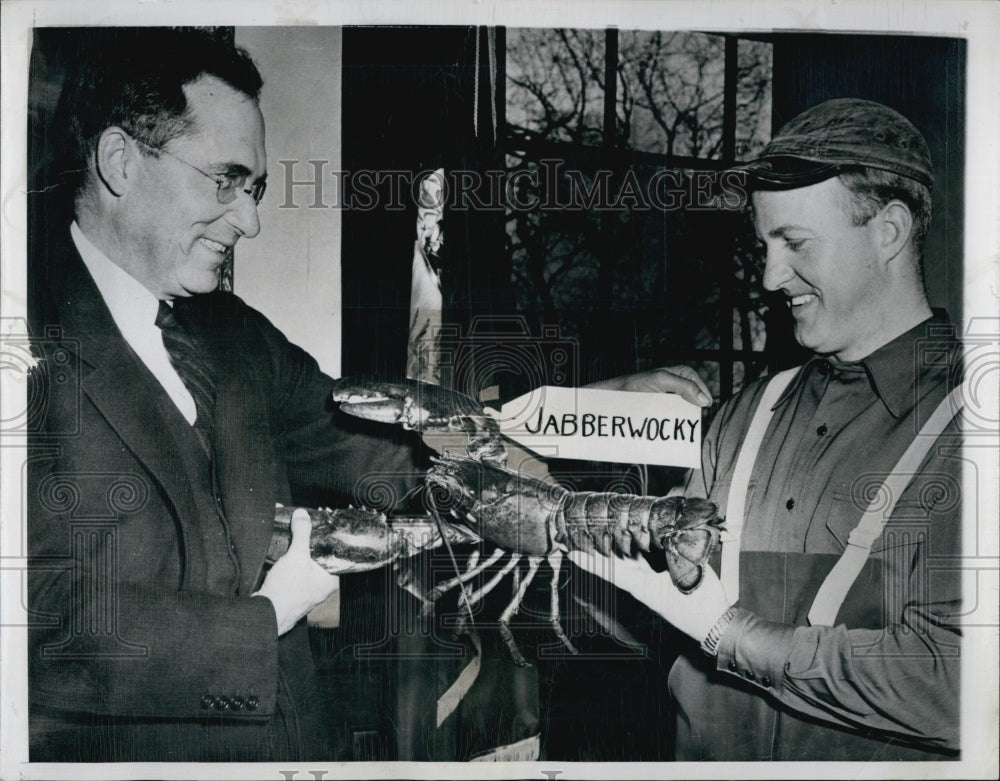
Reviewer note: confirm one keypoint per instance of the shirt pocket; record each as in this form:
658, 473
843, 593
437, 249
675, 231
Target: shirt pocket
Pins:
907, 525
888, 580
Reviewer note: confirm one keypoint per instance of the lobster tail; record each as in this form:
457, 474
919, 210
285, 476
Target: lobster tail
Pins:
623, 524
689, 540
610, 523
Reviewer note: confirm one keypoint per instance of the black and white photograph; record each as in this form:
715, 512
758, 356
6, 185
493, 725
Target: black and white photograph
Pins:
595, 392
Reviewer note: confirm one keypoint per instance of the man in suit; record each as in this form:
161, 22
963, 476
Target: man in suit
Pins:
175, 417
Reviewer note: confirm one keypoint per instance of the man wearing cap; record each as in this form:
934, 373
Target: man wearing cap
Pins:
831, 631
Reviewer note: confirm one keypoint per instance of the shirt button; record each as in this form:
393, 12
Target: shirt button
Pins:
748, 674
765, 681
207, 701
732, 666
789, 504
252, 702
821, 431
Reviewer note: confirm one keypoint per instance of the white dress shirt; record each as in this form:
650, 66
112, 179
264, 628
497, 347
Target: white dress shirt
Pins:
134, 310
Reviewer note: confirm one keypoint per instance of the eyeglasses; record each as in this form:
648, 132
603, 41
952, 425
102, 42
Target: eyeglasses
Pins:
227, 185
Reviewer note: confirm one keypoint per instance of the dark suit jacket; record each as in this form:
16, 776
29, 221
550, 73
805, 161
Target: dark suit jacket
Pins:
145, 643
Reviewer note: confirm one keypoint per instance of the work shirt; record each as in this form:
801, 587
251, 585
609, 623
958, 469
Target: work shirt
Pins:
883, 681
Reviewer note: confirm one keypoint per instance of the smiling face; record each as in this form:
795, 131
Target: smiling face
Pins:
172, 228
827, 267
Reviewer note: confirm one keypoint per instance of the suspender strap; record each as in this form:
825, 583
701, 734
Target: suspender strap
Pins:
834, 589
736, 502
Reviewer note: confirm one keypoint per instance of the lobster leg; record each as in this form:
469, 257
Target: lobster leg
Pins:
533, 564
555, 562
478, 594
463, 597
436, 592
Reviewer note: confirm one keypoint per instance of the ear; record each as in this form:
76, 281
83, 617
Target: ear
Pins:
895, 226
115, 159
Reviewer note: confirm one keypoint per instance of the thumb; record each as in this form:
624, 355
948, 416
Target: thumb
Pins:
301, 532
682, 380
702, 396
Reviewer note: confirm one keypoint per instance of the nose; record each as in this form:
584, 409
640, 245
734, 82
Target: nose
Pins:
242, 215
777, 270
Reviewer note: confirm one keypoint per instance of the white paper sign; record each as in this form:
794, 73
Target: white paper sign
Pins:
603, 425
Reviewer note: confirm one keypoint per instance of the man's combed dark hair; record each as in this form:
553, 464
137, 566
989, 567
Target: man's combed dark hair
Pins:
872, 188
133, 78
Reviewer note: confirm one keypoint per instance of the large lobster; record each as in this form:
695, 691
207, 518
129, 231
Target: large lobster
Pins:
485, 501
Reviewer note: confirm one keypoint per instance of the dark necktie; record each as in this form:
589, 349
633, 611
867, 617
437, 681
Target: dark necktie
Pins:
188, 359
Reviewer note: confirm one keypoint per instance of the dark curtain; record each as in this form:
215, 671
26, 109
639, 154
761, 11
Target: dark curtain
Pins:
409, 98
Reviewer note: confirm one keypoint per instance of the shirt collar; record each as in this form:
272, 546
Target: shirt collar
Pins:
893, 369
131, 303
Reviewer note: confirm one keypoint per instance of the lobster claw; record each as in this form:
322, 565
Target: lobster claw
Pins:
415, 405
342, 541
421, 406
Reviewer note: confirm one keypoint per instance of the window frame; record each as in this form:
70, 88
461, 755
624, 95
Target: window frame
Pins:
726, 355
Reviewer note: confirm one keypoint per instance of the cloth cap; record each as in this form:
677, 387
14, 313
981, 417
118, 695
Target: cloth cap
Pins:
830, 137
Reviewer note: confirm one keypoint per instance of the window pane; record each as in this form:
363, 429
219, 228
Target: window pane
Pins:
639, 253
555, 84
749, 329
634, 258
753, 98
671, 92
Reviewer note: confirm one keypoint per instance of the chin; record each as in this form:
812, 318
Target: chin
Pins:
810, 343
203, 283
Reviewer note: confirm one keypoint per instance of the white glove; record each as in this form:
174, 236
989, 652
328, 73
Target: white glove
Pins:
295, 584
693, 614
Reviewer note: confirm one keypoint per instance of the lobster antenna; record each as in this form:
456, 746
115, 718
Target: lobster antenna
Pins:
411, 493
451, 555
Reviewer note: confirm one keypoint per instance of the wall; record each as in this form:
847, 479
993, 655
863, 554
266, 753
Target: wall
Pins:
291, 271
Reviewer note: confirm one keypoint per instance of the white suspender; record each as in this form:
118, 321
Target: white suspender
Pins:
831, 594
838, 582
736, 503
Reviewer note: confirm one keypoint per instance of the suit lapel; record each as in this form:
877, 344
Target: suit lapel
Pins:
145, 419
118, 384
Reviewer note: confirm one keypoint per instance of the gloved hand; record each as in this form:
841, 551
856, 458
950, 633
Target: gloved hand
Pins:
296, 583
674, 379
693, 614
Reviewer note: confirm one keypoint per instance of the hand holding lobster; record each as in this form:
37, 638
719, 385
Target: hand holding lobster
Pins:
295, 584
694, 613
